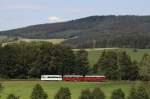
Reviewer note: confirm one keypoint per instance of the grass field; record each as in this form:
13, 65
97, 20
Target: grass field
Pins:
54, 41
94, 54
24, 88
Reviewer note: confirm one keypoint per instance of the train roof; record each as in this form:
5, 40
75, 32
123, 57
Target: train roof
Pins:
73, 76
51, 75
94, 76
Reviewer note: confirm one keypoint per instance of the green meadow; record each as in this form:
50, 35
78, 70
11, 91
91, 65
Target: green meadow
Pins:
94, 54
24, 88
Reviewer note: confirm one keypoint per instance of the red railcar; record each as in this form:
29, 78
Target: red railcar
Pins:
94, 78
83, 78
73, 78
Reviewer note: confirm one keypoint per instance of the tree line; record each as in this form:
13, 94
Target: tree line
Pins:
31, 60
136, 92
118, 65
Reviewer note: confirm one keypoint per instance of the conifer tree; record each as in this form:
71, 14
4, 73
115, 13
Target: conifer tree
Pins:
118, 94
138, 93
1, 89
12, 96
82, 62
145, 67
63, 93
38, 93
86, 94
98, 94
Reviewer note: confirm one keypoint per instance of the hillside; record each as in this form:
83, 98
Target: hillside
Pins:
93, 31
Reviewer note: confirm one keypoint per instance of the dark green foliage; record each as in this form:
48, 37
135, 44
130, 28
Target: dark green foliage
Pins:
68, 59
134, 71
138, 93
28, 60
63, 93
38, 93
1, 89
107, 31
12, 96
133, 93
125, 63
128, 69
117, 66
145, 68
98, 94
82, 62
118, 94
86, 94
108, 64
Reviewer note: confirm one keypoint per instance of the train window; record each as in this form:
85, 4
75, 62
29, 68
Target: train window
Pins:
53, 77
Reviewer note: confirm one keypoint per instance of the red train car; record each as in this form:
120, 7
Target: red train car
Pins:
83, 78
73, 78
94, 78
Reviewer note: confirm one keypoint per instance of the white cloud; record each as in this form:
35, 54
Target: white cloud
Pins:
53, 19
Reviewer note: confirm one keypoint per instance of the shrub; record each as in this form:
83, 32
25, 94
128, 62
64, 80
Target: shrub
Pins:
63, 93
118, 94
85, 94
1, 89
12, 96
138, 93
98, 94
38, 93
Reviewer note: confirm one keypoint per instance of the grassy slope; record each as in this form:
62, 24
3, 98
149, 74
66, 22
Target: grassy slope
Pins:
24, 88
94, 54
54, 41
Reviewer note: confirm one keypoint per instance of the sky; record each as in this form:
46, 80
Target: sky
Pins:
21, 13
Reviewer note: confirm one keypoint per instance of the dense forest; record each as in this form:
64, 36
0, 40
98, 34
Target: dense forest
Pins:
94, 31
31, 60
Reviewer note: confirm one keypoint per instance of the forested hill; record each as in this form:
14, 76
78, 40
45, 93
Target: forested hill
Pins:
93, 31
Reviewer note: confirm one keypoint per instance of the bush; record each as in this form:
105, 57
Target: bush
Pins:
98, 94
85, 94
133, 93
1, 89
118, 94
138, 93
38, 93
12, 96
63, 93
145, 67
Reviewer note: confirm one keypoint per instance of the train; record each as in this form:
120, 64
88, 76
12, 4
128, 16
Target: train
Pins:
91, 78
